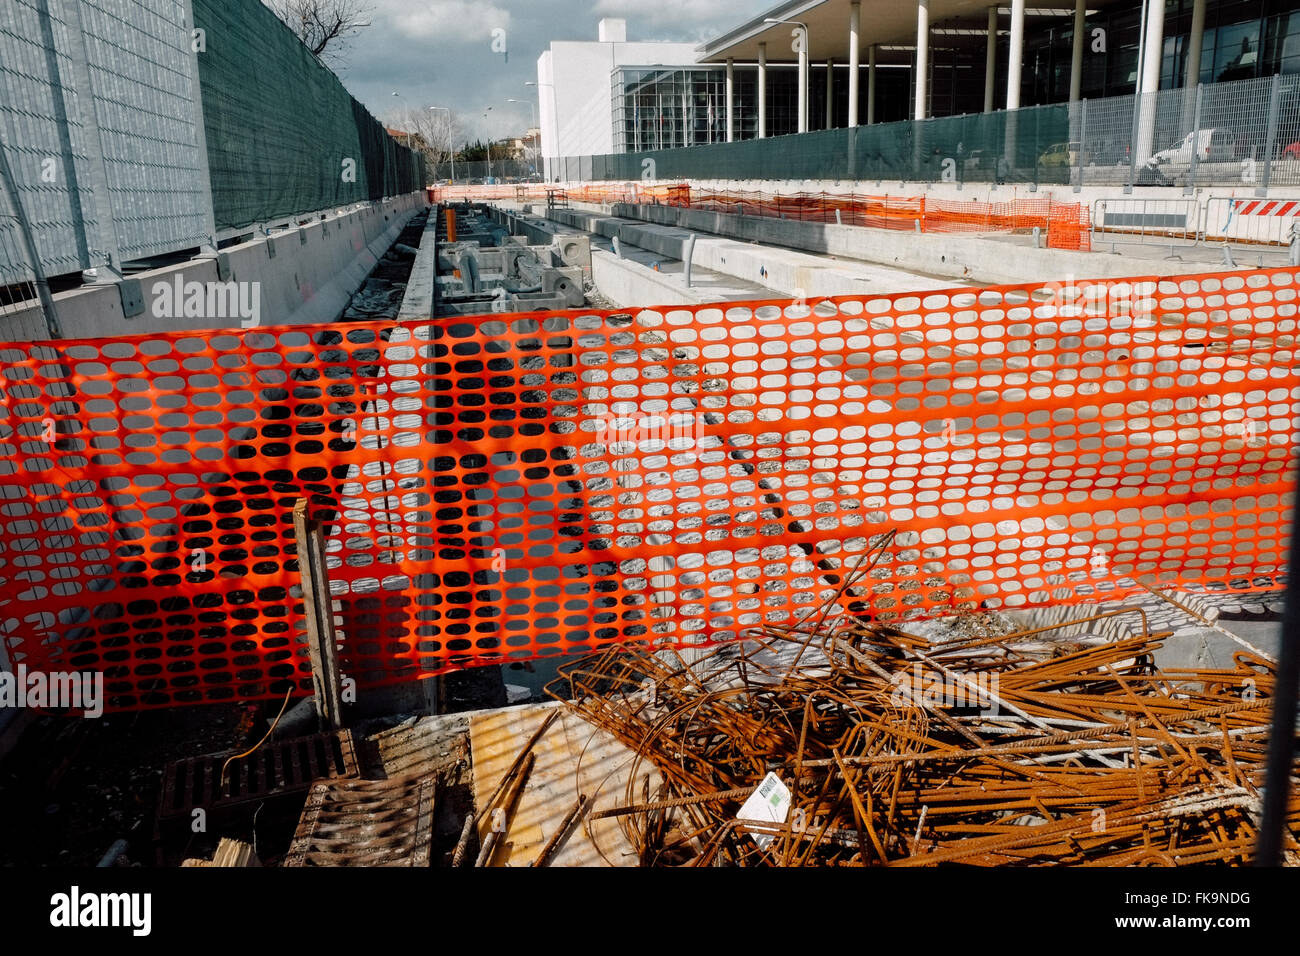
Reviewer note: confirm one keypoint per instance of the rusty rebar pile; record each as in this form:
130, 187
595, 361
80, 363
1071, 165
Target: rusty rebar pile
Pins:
1011, 749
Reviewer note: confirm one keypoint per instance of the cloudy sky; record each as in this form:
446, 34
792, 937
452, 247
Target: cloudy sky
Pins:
439, 52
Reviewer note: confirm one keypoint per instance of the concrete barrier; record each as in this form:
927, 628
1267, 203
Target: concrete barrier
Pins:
785, 271
938, 254
630, 285
302, 275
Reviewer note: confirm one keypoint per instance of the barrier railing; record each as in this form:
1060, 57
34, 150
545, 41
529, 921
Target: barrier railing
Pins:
1148, 220
1250, 221
505, 487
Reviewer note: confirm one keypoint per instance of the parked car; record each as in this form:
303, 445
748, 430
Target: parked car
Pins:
1211, 146
1059, 154
1067, 154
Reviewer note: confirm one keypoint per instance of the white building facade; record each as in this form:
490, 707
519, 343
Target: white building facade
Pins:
575, 83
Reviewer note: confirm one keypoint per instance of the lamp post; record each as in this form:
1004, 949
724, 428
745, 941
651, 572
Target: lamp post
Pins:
555, 112
533, 112
803, 70
407, 121
450, 140
489, 144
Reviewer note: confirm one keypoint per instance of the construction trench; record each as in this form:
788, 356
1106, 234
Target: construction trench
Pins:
820, 560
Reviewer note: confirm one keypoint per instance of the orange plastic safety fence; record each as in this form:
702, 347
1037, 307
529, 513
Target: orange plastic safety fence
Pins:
1066, 224
512, 486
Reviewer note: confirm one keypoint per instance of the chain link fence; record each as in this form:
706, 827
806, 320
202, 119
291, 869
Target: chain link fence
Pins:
1242, 133
500, 170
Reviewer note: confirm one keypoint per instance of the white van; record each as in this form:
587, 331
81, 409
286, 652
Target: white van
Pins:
1212, 146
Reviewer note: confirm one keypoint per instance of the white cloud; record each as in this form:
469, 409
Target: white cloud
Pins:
647, 21
449, 20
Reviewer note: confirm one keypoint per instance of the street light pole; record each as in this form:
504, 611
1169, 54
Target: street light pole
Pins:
450, 139
533, 112
555, 113
407, 108
489, 144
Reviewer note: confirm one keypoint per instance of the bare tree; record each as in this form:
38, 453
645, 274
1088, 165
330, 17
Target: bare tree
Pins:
325, 26
433, 132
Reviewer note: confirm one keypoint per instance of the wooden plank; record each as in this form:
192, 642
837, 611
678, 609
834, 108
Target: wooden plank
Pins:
318, 608
572, 757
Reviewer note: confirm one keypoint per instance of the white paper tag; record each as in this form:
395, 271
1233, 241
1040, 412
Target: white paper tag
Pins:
770, 803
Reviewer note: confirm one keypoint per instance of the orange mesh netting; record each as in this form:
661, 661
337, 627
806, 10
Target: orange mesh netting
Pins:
1065, 224
523, 485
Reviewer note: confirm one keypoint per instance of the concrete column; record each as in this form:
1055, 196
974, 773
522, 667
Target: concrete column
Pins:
855, 23
731, 100
762, 91
1193, 78
1016, 53
1154, 52
871, 84
1194, 42
830, 94
922, 57
1152, 55
991, 61
1076, 58
803, 81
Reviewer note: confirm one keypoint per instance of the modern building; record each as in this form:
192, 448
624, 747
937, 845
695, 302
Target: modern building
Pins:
575, 85
870, 61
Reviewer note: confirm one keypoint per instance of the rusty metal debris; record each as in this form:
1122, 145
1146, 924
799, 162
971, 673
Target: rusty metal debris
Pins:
1002, 749
566, 825
515, 782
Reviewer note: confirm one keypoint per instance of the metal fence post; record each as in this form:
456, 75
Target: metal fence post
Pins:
10, 185
1082, 141
1133, 142
1275, 96
1196, 142
96, 205
201, 132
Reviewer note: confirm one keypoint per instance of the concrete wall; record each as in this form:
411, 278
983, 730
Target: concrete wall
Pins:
304, 275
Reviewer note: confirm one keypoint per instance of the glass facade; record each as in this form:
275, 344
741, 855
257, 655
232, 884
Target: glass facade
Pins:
664, 107
669, 106
1243, 39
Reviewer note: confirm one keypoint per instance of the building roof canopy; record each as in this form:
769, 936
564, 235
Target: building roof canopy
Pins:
886, 22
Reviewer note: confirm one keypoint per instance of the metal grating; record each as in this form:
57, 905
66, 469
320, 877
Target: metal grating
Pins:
276, 769
366, 823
